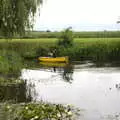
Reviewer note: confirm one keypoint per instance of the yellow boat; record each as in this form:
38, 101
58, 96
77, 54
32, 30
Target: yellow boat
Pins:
53, 64
51, 59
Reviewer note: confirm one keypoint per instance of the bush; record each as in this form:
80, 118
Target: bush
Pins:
10, 63
66, 38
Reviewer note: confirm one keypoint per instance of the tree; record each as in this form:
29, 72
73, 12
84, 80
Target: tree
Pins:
66, 38
16, 16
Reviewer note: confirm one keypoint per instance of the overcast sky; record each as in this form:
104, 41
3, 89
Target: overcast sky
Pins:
82, 15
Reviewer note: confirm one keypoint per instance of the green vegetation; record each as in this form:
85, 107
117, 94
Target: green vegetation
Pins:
17, 15
66, 38
97, 34
40, 111
13, 90
13, 55
10, 63
95, 49
10, 81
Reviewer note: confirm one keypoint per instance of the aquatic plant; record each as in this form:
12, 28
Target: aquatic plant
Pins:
40, 111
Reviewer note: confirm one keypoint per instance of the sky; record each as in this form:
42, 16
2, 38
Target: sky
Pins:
81, 15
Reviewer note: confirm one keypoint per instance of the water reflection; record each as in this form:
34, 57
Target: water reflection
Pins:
65, 69
51, 64
14, 92
95, 90
67, 73
117, 86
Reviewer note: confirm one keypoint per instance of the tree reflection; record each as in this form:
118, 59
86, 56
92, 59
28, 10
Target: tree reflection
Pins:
67, 73
65, 69
14, 92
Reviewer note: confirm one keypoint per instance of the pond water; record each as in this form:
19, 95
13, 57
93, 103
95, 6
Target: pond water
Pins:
95, 90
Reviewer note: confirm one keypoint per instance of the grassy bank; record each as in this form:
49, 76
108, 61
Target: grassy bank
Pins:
13, 53
96, 49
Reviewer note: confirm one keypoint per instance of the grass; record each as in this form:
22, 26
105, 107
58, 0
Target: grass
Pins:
53, 41
40, 40
31, 40
87, 41
96, 34
34, 47
96, 49
10, 63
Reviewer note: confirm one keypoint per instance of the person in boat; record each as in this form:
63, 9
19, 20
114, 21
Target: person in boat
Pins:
52, 53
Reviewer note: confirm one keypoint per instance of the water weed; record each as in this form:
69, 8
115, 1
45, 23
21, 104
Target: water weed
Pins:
40, 111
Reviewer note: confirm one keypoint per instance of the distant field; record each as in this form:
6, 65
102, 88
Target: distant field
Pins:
48, 40
96, 34
96, 40
40, 41
54, 40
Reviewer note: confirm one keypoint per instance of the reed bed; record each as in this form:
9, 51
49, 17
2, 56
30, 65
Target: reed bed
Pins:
96, 49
